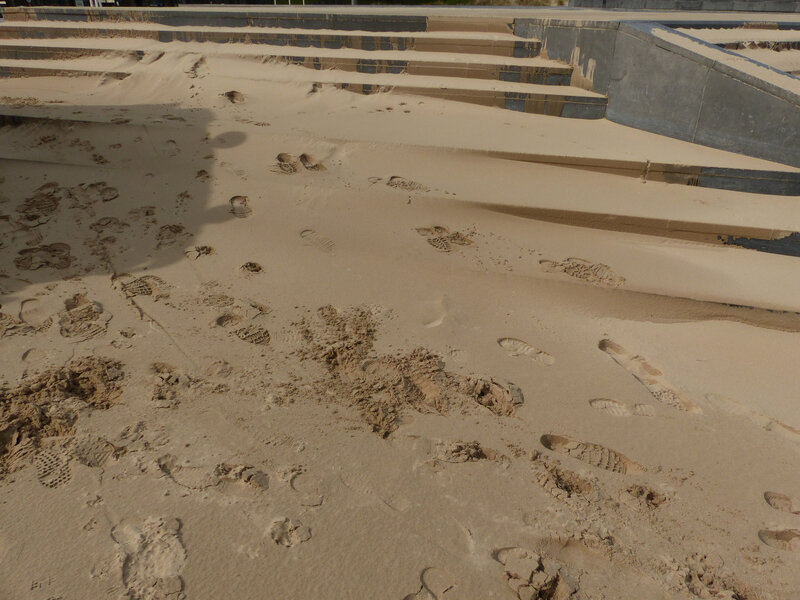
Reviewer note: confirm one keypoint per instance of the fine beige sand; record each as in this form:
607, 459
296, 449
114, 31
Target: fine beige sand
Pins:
263, 339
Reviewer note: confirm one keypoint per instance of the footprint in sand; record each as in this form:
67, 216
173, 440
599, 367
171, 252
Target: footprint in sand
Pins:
39, 208
287, 163
648, 498
34, 313
228, 319
781, 539
109, 225
288, 532
312, 238
435, 584
443, 239
594, 273
198, 251
93, 451
152, 557
310, 164
234, 97
240, 207
253, 334
615, 408
49, 256
170, 235
401, 183
592, 454
255, 478
52, 469
561, 483
648, 376
782, 502
82, 318
147, 285
516, 347
251, 268
531, 576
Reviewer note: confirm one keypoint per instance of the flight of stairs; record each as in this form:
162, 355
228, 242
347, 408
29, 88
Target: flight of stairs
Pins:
477, 60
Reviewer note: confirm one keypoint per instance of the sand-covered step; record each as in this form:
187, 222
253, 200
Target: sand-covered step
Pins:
560, 101
787, 60
743, 38
264, 17
543, 103
37, 52
496, 44
25, 68
473, 66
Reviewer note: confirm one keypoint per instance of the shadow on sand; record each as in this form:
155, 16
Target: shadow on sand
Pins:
102, 190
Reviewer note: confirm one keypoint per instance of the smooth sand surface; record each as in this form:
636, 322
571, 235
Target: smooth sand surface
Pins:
264, 339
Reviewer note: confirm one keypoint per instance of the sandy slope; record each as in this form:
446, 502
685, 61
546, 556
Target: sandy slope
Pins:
363, 379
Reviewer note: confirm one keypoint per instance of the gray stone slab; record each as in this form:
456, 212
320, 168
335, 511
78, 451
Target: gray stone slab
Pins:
596, 56
789, 6
654, 89
738, 117
776, 183
788, 246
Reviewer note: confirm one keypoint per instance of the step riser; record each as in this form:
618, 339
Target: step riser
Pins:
515, 74
11, 72
508, 48
52, 53
557, 106
535, 75
263, 18
776, 46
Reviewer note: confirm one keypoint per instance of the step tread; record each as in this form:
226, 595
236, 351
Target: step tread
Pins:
720, 36
447, 83
334, 76
112, 25
238, 49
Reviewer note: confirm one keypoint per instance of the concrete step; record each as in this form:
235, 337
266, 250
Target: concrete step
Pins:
559, 101
739, 38
532, 70
11, 68
495, 44
38, 52
265, 16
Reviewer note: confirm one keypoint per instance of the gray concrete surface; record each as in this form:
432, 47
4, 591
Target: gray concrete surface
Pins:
787, 6
675, 85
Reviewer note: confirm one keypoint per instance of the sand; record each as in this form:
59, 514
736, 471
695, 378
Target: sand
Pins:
263, 339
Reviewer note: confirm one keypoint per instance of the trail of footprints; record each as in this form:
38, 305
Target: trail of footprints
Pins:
782, 539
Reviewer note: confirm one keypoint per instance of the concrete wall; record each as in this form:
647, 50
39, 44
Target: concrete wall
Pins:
671, 89
722, 5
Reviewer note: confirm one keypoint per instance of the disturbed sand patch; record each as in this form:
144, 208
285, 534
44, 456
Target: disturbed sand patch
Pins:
383, 387
47, 405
